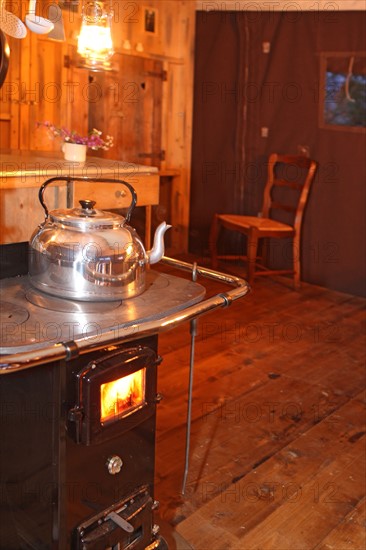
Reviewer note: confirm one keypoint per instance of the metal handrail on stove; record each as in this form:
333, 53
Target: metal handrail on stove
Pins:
70, 350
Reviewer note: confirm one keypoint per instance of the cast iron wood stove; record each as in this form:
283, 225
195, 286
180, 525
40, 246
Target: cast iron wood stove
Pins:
78, 411
72, 476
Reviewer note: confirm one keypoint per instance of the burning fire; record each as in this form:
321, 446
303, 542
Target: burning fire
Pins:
119, 397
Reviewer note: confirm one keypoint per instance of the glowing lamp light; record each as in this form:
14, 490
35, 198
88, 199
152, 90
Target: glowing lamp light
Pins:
95, 43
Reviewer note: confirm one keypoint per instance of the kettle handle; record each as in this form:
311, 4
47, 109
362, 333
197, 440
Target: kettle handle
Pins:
69, 179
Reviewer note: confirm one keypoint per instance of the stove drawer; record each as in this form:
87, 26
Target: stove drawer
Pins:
113, 195
127, 524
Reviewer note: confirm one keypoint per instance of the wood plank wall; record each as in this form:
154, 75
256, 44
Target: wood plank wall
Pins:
45, 83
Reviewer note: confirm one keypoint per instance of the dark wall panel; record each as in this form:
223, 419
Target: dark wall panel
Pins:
277, 91
217, 121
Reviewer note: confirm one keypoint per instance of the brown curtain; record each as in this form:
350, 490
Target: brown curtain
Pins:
257, 91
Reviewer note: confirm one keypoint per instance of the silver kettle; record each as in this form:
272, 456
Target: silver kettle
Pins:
87, 254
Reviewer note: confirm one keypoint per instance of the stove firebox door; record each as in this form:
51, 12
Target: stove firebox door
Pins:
115, 393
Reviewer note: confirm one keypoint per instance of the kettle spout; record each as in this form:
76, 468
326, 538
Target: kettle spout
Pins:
157, 252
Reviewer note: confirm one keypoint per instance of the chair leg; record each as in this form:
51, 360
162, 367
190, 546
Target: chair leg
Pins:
214, 233
296, 261
252, 255
264, 248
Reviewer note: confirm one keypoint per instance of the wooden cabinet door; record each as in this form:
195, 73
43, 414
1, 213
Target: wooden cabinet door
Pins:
128, 105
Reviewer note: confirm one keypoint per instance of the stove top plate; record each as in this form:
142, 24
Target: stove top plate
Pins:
53, 303
13, 313
28, 325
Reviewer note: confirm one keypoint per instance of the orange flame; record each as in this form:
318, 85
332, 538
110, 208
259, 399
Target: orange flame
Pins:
120, 397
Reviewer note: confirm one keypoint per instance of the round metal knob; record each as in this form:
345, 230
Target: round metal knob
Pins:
87, 204
114, 464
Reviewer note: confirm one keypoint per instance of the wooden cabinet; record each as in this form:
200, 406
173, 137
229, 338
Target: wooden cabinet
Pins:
116, 196
21, 175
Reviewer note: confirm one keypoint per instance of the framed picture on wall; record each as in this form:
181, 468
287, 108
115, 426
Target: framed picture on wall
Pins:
342, 93
150, 20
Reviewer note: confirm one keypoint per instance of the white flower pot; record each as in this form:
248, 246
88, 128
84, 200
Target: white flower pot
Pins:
74, 152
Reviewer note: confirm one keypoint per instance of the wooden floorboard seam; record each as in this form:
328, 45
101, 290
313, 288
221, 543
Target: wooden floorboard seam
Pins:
311, 438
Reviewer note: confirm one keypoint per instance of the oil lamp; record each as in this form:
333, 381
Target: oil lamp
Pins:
95, 44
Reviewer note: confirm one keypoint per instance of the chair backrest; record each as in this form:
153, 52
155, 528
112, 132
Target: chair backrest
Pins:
288, 185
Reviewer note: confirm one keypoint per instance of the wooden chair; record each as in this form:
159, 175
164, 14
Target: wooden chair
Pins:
284, 173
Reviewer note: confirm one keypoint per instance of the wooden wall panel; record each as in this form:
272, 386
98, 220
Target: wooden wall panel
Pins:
172, 17
45, 91
4, 132
146, 117
129, 108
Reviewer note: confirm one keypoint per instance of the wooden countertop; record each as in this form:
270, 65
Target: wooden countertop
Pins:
24, 165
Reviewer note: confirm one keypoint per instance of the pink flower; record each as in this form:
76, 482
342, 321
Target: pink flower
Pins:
93, 140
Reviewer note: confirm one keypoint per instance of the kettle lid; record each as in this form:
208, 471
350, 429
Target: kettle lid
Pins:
86, 217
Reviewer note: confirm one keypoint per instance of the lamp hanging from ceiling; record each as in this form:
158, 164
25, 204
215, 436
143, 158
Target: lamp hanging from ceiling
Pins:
95, 43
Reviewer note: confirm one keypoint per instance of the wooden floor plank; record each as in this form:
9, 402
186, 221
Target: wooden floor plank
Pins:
350, 533
274, 376
317, 505
314, 481
262, 413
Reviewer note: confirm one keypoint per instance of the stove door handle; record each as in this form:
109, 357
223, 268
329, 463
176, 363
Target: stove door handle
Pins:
76, 415
122, 523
